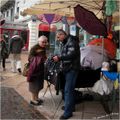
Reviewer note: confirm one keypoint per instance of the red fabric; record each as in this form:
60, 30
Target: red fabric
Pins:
89, 22
44, 27
109, 45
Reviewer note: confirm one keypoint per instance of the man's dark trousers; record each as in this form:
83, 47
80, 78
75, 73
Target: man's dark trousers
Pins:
70, 78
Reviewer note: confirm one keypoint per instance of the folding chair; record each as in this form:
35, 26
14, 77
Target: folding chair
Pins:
52, 70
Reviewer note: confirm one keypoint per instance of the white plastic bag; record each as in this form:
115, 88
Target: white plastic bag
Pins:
18, 64
103, 87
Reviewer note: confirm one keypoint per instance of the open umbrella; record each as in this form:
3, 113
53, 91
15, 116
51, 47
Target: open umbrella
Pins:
85, 18
89, 21
92, 56
109, 46
66, 8
63, 7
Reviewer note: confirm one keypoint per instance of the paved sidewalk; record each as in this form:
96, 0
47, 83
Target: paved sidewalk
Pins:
51, 108
13, 106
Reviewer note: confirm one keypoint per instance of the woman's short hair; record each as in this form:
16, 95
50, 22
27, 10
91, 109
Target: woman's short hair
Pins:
41, 38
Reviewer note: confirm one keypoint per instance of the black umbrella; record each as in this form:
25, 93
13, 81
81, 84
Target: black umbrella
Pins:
89, 22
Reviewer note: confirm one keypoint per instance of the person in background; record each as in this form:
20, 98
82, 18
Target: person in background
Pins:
70, 58
15, 48
4, 53
35, 78
6, 36
105, 66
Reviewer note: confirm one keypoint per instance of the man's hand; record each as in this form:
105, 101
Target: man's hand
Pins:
56, 58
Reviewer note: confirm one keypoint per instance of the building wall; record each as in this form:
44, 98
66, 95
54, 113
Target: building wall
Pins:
7, 9
24, 4
17, 8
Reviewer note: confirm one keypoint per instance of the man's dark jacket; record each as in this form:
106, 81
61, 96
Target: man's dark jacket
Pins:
70, 54
16, 44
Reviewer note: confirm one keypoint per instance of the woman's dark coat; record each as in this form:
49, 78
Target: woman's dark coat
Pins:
36, 58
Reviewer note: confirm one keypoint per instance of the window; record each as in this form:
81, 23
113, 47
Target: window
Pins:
7, 13
17, 9
11, 14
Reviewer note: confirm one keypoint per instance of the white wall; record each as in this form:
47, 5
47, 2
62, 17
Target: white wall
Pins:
33, 33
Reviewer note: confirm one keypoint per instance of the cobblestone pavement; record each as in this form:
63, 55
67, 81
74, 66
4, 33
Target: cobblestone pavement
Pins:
14, 106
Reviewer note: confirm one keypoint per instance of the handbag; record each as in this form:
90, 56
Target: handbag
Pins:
26, 69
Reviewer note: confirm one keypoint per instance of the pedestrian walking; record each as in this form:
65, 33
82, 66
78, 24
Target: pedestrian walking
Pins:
70, 58
35, 76
15, 47
4, 54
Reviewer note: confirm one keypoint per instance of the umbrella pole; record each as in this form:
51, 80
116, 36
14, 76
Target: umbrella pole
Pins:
102, 49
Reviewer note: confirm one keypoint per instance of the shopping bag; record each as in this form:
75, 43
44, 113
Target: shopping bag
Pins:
26, 69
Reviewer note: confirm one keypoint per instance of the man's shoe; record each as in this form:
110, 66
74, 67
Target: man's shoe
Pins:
62, 117
40, 101
63, 108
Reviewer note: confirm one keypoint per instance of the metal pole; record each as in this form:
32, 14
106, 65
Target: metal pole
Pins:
102, 49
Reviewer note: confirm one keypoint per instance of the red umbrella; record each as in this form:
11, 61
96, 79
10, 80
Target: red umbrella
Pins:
89, 22
109, 45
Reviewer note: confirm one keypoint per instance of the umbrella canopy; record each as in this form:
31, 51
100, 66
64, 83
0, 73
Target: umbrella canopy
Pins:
109, 45
92, 56
63, 7
89, 21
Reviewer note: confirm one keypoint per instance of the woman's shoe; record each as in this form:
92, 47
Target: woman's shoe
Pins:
35, 102
40, 101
